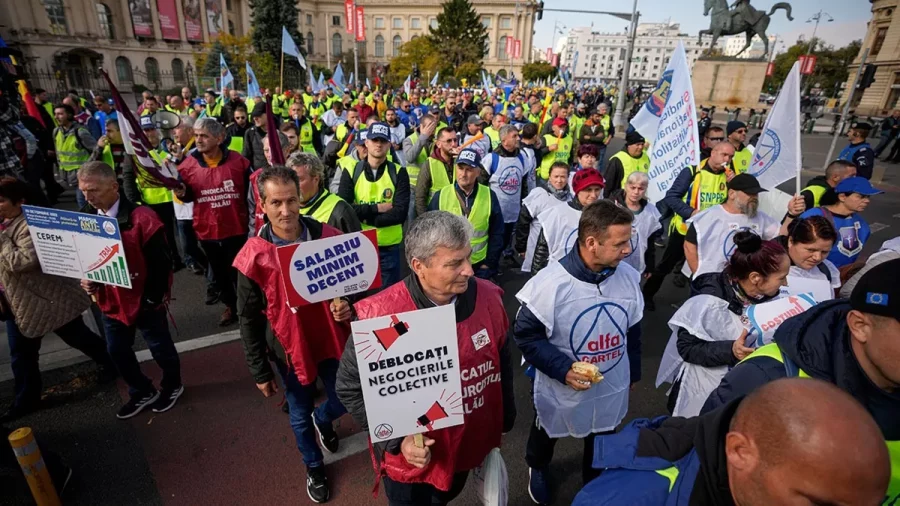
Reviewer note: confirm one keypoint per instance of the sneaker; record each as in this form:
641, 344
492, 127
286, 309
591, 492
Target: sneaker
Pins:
317, 484
136, 404
167, 399
327, 436
538, 486
680, 280
227, 318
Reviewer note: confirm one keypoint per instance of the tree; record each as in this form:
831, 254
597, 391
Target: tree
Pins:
831, 66
267, 17
237, 51
422, 52
468, 70
459, 37
537, 71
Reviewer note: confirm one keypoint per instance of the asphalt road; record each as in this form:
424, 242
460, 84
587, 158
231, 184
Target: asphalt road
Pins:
109, 458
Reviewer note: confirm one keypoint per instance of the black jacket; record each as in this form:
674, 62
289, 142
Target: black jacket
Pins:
828, 198
253, 147
349, 389
818, 343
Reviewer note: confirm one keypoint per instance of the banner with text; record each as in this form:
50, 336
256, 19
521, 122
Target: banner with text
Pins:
214, 17
77, 245
168, 19
349, 15
332, 267
820, 289
140, 18
765, 318
193, 28
518, 50
668, 122
409, 370
360, 24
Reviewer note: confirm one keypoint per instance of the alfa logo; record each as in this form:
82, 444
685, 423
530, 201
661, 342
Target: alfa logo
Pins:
657, 101
766, 154
598, 335
509, 181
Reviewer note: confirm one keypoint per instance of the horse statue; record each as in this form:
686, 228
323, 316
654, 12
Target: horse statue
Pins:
743, 19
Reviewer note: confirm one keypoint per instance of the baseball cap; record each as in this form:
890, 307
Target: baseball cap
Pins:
435, 109
560, 122
147, 123
361, 137
474, 119
258, 110
860, 125
746, 183
379, 131
857, 184
469, 157
877, 291
586, 177
580, 105
734, 125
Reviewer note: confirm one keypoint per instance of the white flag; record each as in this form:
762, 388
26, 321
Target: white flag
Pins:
668, 120
777, 155
406, 86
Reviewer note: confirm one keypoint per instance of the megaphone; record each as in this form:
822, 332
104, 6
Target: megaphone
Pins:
165, 120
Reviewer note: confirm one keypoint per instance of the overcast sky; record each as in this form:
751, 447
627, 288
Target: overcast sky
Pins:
850, 18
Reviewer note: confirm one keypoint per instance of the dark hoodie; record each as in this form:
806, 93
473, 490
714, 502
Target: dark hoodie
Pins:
828, 198
818, 343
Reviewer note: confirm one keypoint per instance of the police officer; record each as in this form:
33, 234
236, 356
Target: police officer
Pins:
577, 310
737, 135
859, 151
632, 158
477, 203
378, 191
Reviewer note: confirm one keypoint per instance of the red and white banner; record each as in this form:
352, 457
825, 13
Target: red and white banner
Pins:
509, 47
518, 51
807, 64
350, 14
555, 60
193, 27
332, 267
770, 69
140, 18
168, 19
549, 54
360, 24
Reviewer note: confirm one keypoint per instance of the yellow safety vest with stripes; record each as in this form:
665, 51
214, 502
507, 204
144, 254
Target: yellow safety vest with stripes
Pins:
494, 135
631, 164
563, 150
322, 207
70, 154
479, 216
155, 195
306, 137
817, 192
414, 166
378, 192
707, 190
439, 178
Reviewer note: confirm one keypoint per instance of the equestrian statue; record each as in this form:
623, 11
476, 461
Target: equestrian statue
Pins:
743, 18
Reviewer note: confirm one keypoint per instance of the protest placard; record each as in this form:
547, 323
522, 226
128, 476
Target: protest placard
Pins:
409, 370
764, 319
819, 288
332, 267
77, 245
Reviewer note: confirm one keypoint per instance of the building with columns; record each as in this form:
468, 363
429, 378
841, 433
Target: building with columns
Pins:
882, 40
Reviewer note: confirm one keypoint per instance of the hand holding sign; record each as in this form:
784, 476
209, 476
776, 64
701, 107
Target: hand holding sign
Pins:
418, 456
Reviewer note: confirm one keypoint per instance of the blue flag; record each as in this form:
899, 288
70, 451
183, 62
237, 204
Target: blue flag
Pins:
252, 83
226, 78
288, 46
337, 79
321, 84
312, 80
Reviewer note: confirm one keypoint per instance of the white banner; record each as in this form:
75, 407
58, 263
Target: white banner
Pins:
765, 318
777, 155
668, 120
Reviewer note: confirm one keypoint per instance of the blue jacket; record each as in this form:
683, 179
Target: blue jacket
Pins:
531, 335
495, 223
862, 155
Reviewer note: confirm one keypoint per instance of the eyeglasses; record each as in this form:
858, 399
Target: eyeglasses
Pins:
741, 131
717, 139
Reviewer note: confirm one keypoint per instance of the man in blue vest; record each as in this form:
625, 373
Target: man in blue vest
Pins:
793, 441
859, 151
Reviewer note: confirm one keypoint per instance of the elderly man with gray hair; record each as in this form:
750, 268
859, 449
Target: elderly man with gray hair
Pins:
437, 251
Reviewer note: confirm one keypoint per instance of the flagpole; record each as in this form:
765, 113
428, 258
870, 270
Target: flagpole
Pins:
281, 83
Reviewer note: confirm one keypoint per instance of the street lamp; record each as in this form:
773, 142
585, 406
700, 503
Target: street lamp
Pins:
557, 30
817, 17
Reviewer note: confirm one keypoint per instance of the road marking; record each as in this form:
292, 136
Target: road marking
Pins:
357, 443
897, 215
195, 344
876, 227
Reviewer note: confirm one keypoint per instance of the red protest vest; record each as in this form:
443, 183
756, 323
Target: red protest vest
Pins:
220, 195
258, 214
308, 336
124, 304
463, 447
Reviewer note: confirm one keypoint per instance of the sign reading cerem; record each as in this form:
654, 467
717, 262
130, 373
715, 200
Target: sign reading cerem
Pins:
331, 267
409, 368
77, 245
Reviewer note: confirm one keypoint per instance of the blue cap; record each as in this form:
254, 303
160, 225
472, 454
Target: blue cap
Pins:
858, 185
147, 123
361, 137
469, 157
110, 101
380, 131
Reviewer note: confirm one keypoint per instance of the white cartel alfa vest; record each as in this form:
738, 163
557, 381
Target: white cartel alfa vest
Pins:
705, 317
645, 224
715, 236
482, 145
814, 277
560, 226
585, 322
507, 175
536, 202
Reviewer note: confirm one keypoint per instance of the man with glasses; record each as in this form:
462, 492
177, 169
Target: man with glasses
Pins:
439, 171
737, 135
713, 136
236, 129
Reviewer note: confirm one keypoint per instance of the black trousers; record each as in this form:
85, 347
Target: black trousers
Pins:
422, 494
166, 213
221, 255
672, 256
539, 451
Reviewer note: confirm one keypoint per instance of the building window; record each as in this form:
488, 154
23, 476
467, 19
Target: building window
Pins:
397, 42
487, 47
337, 45
309, 19
361, 48
152, 68
230, 27
335, 21
879, 41
486, 21
415, 23
505, 23
178, 70
379, 46
501, 49
228, 6
104, 16
123, 70
310, 38
396, 23
379, 23
57, 15
433, 23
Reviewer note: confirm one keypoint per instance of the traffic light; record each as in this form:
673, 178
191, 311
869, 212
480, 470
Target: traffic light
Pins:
867, 77
540, 10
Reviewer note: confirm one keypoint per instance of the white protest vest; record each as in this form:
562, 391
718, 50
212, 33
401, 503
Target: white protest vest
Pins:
183, 211
530, 168
585, 322
536, 202
507, 174
705, 317
800, 280
645, 224
715, 236
482, 145
560, 226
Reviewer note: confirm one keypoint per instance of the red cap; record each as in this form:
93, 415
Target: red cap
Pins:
586, 177
560, 122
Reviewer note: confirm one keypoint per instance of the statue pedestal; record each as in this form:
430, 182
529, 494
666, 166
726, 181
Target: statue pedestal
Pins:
729, 82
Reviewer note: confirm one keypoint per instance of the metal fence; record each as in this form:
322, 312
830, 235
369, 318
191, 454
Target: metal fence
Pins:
87, 82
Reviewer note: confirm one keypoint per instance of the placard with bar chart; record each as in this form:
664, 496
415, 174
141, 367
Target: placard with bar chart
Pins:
78, 245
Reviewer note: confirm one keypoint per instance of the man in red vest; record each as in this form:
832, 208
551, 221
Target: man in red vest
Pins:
216, 180
306, 341
143, 305
438, 246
